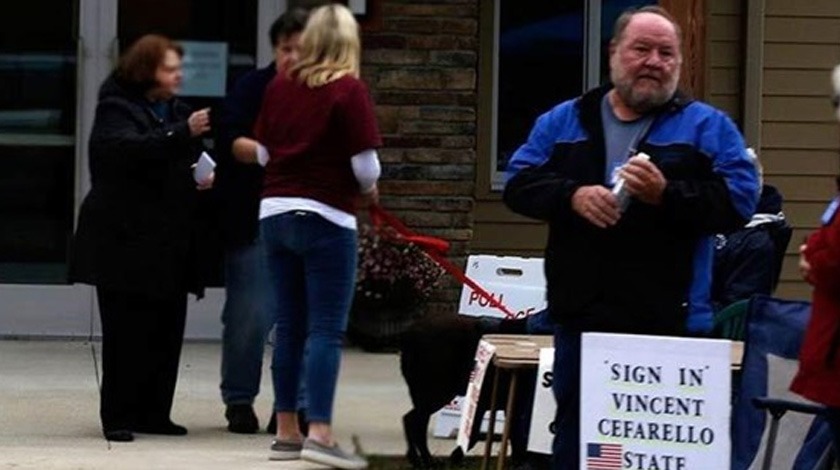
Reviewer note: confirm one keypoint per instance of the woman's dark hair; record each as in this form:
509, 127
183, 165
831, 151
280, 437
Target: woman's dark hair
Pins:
139, 63
287, 24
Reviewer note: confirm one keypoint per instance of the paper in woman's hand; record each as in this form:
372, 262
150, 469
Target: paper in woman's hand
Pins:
203, 168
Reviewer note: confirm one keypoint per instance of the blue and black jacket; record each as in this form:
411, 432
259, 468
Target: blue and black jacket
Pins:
651, 272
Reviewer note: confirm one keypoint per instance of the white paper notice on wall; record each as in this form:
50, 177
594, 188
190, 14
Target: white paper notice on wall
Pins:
205, 68
358, 7
654, 402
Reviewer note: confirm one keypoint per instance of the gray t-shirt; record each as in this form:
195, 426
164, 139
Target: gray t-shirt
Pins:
621, 138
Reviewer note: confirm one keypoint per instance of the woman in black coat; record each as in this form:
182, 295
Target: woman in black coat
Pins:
137, 237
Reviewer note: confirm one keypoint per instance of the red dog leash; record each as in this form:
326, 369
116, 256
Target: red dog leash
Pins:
435, 248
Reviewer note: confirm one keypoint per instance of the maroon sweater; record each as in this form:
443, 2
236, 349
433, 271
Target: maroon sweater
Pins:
311, 134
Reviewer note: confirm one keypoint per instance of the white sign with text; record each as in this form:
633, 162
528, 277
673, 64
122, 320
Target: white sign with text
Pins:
541, 434
652, 402
483, 356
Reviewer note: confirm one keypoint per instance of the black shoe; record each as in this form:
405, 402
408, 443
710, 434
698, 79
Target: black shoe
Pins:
164, 428
272, 424
241, 419
119, 435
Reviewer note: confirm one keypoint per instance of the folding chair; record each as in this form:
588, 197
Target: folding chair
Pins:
778, 409
773, 337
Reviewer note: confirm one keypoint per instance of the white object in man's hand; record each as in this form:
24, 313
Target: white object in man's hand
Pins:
643, 179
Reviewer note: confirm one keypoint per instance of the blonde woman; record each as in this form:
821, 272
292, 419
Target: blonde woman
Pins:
318, 136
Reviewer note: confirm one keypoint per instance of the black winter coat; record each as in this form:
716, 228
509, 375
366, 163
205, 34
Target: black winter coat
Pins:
138, 226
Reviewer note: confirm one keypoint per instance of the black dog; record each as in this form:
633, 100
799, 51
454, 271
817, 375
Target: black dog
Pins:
437, 356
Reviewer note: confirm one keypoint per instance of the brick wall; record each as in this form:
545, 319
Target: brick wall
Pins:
420, 59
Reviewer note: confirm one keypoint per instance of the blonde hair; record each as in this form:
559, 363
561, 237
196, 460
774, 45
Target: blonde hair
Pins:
329, 46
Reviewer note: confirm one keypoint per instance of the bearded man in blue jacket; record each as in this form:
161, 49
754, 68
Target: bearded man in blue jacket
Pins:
638, 260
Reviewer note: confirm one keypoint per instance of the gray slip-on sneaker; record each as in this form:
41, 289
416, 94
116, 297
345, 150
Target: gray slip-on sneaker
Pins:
316, 452
285, 450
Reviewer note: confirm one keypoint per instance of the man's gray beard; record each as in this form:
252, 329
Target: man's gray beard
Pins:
646, 102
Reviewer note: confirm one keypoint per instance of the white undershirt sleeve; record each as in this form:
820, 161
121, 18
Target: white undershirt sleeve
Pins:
262, 154
367, 169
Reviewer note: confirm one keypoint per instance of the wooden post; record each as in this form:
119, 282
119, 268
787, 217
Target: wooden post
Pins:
691, 16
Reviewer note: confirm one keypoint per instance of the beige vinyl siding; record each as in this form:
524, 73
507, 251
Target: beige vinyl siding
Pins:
725, 45
800, 139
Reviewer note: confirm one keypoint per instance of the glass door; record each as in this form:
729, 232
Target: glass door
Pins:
38, 71
53, 58
40, 75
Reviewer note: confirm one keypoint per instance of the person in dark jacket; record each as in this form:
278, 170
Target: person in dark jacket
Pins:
638, 261
245, 316
748, 261
138, 239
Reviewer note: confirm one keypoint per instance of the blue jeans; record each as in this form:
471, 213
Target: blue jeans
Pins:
247, 321
312, 275
566, 386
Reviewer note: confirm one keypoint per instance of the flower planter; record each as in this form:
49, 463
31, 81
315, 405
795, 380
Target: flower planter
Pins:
394, 279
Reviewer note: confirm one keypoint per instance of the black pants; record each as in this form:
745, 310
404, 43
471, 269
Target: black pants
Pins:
141, 348
833, 418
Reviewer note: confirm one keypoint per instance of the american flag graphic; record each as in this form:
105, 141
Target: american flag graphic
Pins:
603, 456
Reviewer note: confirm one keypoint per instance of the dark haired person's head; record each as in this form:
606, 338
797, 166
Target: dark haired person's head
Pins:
285, 37
152, 66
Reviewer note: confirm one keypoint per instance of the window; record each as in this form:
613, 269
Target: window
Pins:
38, 68
544, 52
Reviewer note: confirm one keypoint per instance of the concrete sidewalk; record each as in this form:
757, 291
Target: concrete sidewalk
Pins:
49, 412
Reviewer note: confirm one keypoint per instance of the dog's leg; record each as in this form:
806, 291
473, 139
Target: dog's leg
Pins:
456, 458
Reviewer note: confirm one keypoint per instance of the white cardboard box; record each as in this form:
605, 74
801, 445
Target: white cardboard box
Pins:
517, 283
